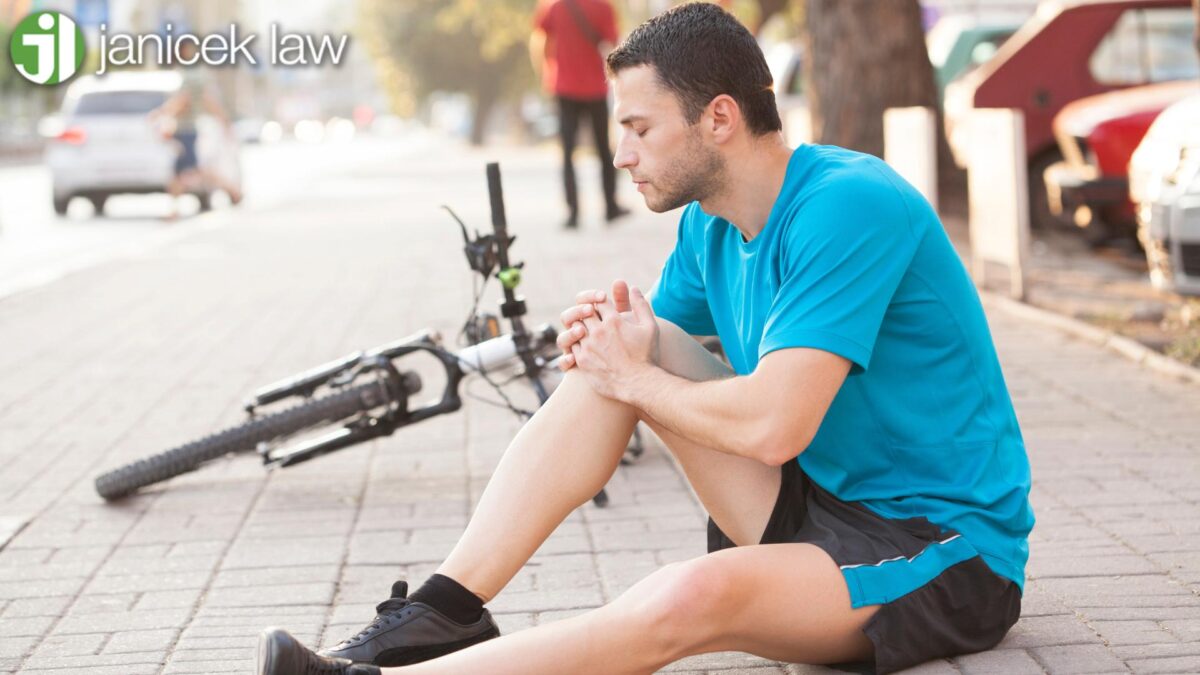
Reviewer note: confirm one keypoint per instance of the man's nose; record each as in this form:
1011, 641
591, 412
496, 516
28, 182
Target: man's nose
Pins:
623, 158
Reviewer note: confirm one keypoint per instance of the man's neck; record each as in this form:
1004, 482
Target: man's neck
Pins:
754, 178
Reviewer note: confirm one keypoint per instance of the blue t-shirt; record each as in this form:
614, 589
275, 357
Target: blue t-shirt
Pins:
853, 261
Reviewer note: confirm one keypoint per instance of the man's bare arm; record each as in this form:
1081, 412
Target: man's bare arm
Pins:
770, 415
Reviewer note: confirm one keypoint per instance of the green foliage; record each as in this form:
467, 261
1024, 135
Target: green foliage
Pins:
7, 74
472, 46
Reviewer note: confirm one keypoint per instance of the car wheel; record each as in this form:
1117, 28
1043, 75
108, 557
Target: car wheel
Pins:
98, 203
205, 199
61, 204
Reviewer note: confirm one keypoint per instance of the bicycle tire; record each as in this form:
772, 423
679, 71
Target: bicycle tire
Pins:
127, 479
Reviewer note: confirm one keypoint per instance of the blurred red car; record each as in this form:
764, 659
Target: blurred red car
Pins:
1097, 136
1068, 50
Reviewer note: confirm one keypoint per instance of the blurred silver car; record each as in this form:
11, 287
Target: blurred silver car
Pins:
1164, 181
104, 142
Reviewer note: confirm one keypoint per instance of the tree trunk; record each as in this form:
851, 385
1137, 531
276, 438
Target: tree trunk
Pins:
862, 57
768, 9
484, 99
1196, 7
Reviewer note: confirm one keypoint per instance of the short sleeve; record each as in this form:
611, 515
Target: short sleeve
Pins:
678, 295
841, 262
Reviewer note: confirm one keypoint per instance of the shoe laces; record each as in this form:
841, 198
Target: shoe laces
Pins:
385, 612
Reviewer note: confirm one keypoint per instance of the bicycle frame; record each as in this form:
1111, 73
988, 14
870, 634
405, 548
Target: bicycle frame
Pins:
361, 411
483, 253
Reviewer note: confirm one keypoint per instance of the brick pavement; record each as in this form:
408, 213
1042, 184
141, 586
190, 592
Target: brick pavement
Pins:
130, 357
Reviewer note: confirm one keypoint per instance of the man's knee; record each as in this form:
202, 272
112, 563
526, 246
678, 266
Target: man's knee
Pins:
686, 602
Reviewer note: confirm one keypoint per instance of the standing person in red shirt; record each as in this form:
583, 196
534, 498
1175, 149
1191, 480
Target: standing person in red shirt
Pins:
572, 35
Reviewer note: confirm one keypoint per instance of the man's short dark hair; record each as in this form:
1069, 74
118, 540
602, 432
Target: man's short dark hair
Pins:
699, 52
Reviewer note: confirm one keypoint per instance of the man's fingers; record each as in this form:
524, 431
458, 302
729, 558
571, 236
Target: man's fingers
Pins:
589, 297
607, 310
570, 336
641, 307
576, 313
620, 295
566, 362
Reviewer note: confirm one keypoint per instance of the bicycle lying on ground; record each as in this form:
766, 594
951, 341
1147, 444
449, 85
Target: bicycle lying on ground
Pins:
366, 396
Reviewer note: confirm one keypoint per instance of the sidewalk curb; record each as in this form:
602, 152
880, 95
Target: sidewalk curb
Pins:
1130, 349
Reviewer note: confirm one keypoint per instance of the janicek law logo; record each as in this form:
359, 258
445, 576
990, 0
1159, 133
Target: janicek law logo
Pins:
47, 48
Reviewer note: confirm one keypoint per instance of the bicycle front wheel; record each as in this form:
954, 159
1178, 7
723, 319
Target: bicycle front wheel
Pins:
335, 407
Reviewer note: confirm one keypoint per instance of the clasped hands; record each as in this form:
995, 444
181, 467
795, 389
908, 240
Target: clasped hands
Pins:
611, 339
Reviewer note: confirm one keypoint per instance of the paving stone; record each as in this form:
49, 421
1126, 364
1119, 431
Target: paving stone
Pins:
1158, 650
72, 645
235, 666
1072, 659
1008, 661
140, 583
511, 623
105, 603
1178, 664
1040, 631
542, 601
158, 640
39, 589
93, 662
167, 599
147, 668
719, 661
273, 576
271, 596
12, 647
25, 626
24, 607
302, 551
122, 621
1133, 632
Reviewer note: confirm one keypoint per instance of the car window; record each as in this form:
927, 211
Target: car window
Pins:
1147, 45
119, 102
987, 47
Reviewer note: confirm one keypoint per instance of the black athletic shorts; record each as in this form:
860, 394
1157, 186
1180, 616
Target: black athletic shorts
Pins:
965, 608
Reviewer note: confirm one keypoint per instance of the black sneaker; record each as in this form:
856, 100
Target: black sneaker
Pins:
406, 632
281, 654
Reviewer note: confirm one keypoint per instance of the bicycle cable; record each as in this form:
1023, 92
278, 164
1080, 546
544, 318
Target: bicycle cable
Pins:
505, 402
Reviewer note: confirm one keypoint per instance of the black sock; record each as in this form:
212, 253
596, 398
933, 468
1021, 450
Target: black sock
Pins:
450, 598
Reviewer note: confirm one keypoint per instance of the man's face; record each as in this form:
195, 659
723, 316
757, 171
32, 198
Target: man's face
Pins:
671, 162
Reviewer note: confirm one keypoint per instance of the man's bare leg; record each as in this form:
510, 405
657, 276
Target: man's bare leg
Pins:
785, 602
560, 459
571, 448
729, 600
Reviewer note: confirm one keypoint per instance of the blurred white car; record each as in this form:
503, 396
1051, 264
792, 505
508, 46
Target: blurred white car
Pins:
1164, 182
103, 143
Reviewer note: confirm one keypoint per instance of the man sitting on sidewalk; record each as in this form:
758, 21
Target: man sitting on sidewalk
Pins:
861, 462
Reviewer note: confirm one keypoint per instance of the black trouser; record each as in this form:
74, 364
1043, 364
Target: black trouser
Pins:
569, 112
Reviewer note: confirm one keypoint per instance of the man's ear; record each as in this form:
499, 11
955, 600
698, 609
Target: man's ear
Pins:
725, 117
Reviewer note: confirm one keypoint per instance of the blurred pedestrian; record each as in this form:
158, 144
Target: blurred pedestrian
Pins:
181, 112
569, 42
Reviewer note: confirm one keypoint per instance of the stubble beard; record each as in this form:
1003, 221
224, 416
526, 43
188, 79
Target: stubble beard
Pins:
696, 174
